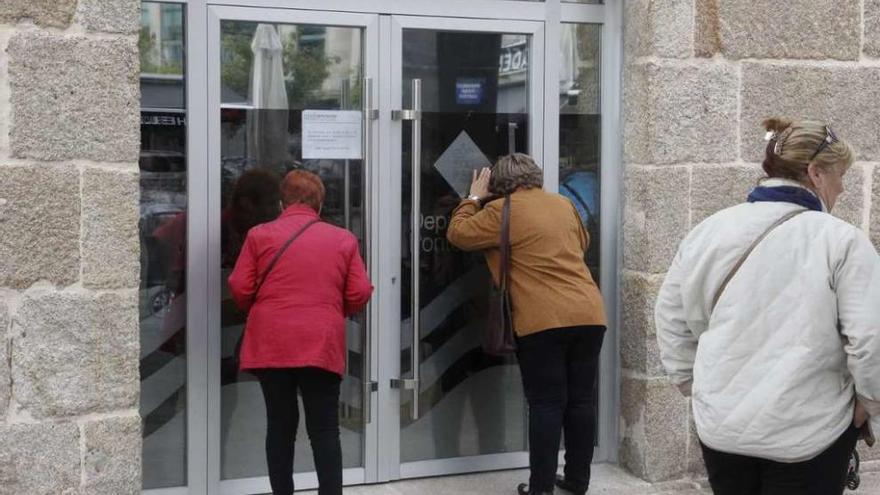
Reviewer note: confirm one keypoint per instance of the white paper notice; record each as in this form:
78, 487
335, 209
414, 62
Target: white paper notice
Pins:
333, 134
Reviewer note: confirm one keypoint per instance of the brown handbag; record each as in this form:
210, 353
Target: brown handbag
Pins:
498, 338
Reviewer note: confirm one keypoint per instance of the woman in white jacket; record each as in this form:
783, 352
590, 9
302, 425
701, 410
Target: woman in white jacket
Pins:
770, 317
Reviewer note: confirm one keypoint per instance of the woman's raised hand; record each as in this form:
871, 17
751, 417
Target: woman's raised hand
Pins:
480, 183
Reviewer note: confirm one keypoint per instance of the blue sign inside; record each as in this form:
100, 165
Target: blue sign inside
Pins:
469, 91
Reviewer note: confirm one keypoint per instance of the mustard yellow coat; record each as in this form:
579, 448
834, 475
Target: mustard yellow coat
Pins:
550, 285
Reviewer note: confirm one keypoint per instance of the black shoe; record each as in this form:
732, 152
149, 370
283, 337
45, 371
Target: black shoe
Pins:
569, 487
523, 489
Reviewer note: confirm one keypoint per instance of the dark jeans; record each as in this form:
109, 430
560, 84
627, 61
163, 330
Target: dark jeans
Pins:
320, 393
825, 474
558, 368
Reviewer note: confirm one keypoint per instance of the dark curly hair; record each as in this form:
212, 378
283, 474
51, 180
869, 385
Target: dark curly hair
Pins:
516, 171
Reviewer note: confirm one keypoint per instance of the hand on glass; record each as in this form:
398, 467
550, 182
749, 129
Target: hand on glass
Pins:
480, 183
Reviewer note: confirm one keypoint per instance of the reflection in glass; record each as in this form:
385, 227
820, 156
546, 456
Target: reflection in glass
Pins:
475, 100
163, 176
580, 127
270, 74
160, 41
580, 134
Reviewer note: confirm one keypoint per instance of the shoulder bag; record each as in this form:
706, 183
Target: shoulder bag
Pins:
498, 338
237, 357
745, 255
278, 256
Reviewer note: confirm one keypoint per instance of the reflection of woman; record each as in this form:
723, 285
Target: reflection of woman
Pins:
786, 366
254, 200
558, 313
295, 334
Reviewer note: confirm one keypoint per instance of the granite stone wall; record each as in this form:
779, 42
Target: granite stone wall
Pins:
69, 251
699, 76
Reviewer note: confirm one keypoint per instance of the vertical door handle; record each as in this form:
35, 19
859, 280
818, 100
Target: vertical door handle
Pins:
369, 386
415, 244
414, 114
345, 104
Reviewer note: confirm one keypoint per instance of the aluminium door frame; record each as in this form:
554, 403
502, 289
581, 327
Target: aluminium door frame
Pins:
215, 15
551, 12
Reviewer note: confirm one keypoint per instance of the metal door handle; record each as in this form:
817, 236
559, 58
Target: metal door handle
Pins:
369, 114
415, 113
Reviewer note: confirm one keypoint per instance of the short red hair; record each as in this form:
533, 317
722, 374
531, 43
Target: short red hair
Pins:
302, 187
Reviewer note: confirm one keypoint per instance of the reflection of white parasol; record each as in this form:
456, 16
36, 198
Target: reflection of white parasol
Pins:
568, 70
267, 123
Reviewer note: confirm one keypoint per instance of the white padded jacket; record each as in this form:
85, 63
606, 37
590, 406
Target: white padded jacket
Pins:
794, 339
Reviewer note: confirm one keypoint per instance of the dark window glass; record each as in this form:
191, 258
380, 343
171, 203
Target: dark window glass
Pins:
163, 172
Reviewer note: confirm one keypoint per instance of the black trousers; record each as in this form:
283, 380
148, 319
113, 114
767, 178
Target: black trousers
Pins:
558, 368
825, 474
320, 393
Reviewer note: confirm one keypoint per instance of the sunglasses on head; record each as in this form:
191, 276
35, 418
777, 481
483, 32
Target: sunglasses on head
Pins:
830, 138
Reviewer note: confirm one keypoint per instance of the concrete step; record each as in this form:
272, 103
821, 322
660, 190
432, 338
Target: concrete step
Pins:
607, 479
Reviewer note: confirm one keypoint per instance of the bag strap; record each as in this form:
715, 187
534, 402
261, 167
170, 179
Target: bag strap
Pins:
279, 253
742, 259
504, 274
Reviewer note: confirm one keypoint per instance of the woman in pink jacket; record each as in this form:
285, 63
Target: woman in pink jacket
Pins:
295, 333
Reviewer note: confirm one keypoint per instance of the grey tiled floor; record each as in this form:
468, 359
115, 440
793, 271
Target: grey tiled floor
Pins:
608, 479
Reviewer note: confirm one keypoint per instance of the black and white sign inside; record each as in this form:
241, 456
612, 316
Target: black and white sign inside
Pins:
458, 162
331, 134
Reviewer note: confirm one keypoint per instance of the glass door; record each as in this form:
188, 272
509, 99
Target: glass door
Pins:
429, 98
466, 92
288, 90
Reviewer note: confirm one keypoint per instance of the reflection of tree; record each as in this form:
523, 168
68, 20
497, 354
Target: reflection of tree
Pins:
147, 48
306, 65
237, 56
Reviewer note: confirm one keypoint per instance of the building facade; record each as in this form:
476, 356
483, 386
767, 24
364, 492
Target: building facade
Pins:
139, 141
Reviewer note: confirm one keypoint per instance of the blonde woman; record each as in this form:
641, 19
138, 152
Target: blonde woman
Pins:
770, 317
558, 314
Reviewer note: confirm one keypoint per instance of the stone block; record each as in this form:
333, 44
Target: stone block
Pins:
75, 352
663, 29
872, 28
655, 216
110, 243
40, 459
110, 16
850, 206
74, 97
4, 90
112, 464
638, 341
654, 429
54, 13
875, 208
716, 188
707, 33
39, 224
848, 98
680, 113
799, 29
5, 385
